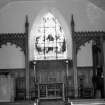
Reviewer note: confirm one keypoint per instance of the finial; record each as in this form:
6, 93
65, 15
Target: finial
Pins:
72, 24
72, 19
26, 23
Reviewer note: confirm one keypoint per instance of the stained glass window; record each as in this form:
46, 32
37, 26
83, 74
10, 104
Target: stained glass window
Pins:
49, 39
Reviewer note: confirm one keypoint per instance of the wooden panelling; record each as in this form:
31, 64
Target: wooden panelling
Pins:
85, 85
20, 89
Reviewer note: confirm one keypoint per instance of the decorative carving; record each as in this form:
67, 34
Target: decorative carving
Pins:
13, 38
81, 38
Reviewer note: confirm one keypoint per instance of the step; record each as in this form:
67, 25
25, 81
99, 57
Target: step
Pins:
87, 102
17, 103
59, 102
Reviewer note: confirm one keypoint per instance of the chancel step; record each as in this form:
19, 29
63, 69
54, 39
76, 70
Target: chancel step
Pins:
87, 102
17, 103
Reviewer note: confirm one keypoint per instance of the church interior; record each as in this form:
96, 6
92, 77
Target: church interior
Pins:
52, 52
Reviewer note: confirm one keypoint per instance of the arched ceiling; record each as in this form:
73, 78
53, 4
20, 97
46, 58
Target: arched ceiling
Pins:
99, 3
5, 2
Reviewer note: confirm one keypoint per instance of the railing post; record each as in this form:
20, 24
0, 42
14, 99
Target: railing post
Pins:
38, 91
67, 73
34, 62
63, 95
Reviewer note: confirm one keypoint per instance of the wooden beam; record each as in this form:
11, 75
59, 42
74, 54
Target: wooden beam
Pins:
75, 70
103, 59
27, 59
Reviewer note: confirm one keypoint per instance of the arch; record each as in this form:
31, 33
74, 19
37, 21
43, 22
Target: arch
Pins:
61, 21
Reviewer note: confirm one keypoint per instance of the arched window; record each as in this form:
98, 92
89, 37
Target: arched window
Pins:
49, 39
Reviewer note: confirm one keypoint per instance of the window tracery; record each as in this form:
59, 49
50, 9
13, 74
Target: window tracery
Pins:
49, 39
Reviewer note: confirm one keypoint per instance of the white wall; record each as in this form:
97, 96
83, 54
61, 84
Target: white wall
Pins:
87, 17
11, 57
84, 56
